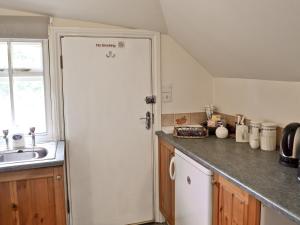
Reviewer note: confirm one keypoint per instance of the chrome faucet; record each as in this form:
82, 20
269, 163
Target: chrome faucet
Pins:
32, 133
5, 137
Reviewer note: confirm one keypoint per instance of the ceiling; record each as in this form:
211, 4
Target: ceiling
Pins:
256, 39
142, 14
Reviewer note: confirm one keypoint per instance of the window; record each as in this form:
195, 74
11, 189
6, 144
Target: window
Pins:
24, 86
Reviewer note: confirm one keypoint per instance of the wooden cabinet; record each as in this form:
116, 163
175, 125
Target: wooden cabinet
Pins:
33, 197
166, 185
233, 206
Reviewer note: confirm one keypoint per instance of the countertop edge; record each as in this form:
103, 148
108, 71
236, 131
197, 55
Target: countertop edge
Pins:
251, 191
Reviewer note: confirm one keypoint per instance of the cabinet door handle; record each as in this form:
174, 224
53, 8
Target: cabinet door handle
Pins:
171, 173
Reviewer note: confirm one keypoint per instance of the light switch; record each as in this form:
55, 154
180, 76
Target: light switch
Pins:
166, 97
166, 94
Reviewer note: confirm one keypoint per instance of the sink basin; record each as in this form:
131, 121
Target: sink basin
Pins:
25, 154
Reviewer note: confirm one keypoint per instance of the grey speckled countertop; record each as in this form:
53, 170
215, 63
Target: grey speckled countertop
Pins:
56, 149
255, 171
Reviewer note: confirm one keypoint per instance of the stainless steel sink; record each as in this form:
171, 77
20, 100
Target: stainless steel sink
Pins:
24, 154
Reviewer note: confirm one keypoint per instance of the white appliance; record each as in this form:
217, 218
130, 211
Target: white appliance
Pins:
110, 152
271, 217
193, 192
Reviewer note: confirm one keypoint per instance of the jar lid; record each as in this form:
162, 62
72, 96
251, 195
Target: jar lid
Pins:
254, 122
269, 125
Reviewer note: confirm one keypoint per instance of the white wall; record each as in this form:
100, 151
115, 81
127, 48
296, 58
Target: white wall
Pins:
254, 39
61, 22
9, 12
275, 101
191, 83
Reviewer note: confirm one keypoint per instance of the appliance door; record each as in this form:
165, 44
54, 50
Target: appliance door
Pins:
271, 217
193, 192
105, 82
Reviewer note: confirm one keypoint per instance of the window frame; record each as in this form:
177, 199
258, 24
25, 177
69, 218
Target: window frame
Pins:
48, 135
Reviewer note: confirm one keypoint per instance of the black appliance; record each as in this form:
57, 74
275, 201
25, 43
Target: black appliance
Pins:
290, 145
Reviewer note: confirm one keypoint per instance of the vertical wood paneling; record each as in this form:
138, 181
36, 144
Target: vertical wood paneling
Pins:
7, 216
36, 201
31, 199
59, 194
233, 206
166, 185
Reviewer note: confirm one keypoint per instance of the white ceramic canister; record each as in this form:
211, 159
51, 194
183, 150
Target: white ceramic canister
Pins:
18, 140
268, 137
222, 132
254, 134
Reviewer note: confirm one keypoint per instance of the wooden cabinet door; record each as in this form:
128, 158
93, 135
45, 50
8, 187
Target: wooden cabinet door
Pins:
8, 214
225, 209
166, 185
32, 197
233, 206
36, 202
163, 201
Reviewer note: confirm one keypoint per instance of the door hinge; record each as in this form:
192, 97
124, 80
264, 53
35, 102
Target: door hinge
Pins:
68, 206
61, 62
152, 118
150, 99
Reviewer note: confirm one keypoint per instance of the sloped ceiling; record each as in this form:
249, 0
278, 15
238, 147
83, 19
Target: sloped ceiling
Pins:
142, 14
257, 39
233, 38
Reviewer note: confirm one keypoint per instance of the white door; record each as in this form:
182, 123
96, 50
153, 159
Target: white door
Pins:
105, 82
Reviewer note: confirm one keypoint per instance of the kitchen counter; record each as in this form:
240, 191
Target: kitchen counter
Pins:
257, 172
57, 149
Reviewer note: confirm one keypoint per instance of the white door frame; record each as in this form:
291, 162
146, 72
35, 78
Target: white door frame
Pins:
55, 35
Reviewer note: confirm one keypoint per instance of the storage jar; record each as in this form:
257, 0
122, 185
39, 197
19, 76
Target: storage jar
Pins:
268, 137
254, 134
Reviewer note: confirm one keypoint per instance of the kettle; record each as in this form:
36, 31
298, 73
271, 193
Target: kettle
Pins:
290, 145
